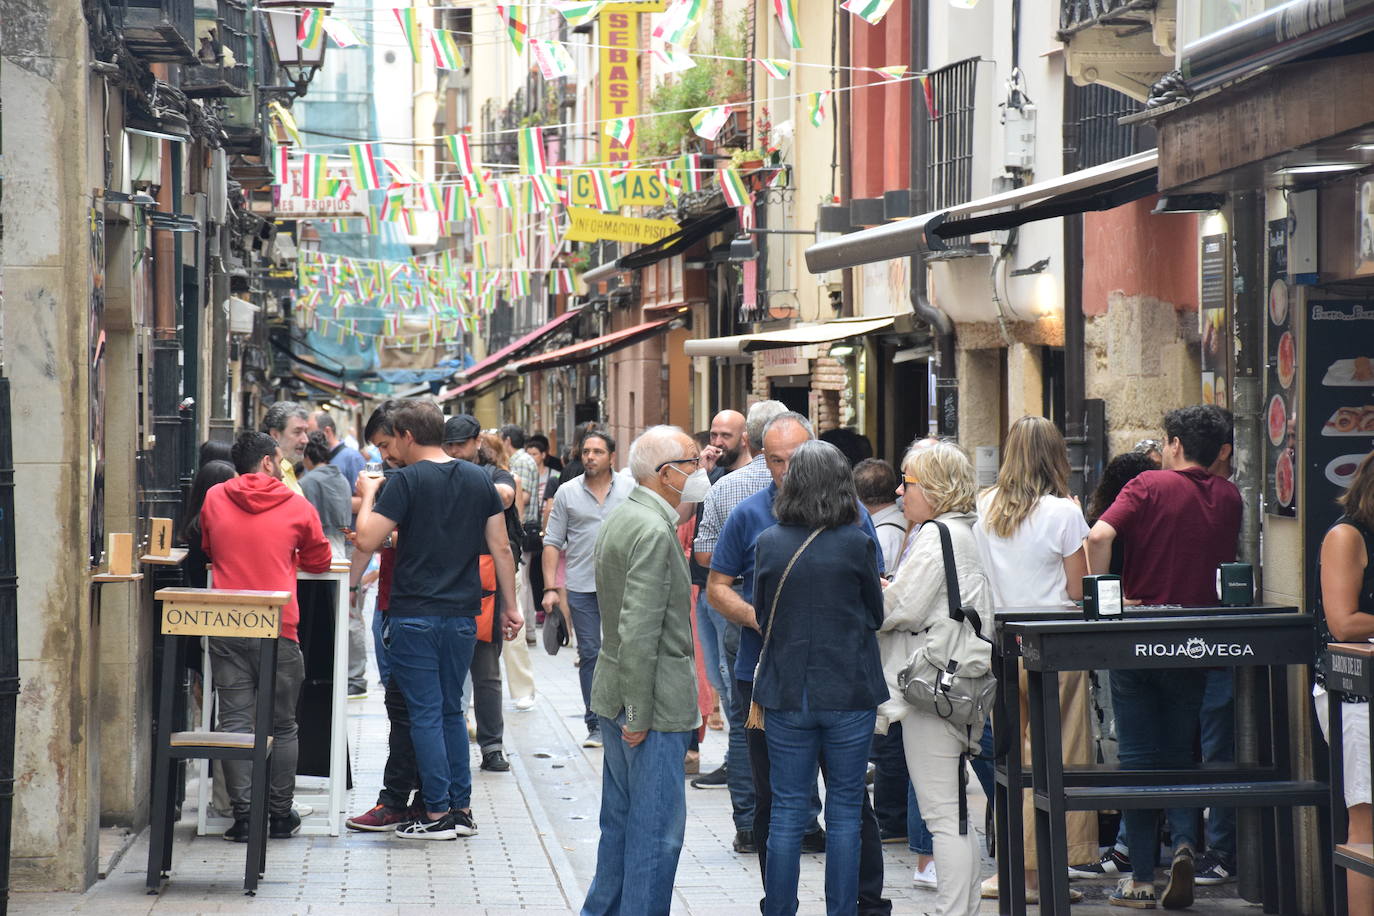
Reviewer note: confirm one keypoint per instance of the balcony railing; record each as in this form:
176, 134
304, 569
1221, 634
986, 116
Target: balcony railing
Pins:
1080, 14
158, 30
222, 49
1091, 128
952, 101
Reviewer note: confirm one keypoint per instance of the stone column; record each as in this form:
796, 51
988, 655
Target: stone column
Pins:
50, 171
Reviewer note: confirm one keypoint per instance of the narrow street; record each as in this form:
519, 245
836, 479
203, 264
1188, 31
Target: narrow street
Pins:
535, 852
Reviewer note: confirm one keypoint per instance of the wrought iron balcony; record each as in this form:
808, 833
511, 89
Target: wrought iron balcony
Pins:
158, 30
222, 50
1079, 14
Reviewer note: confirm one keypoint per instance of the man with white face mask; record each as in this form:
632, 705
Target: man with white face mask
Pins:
644, 693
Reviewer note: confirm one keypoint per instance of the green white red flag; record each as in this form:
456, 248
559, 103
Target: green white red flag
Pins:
444, 44
671, 60
366, 174
815, 106
786, 11
531, 147
707, 122
776, 67
891, 73
733, 187
578, 12
870, 11
310, 30
409, 19
342, 33
621, 130
678, 24
552, 58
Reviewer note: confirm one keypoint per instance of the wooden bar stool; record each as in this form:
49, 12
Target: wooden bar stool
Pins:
222, 613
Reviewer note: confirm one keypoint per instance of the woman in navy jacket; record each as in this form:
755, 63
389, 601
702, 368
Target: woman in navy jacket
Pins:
819, 679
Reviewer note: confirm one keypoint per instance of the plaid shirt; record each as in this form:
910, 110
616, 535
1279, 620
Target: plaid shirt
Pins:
526, 472
725, 495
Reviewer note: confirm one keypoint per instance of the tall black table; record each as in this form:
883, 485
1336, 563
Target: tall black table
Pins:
1049, 641
1349, 671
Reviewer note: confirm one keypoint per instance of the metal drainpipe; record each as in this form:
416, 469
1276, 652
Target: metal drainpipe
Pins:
9, 641
1247, 391
1075, 360
920, 193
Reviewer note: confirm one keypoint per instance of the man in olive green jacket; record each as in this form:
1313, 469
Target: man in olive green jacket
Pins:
645, 690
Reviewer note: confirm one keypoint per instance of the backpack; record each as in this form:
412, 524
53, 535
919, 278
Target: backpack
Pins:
950, 674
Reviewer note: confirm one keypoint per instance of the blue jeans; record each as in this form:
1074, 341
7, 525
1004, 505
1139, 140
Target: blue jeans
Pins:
643, 819
1219, 744
586, 621
719, 645
712, 648
1156, 719
430, 657
797, 741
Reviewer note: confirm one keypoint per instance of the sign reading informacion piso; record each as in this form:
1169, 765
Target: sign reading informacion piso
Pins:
594, 226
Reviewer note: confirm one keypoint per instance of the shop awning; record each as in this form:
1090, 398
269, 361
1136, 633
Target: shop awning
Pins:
801, 335
692, 231
513, 349
591, 349
474, 387
1101, 187
330, 386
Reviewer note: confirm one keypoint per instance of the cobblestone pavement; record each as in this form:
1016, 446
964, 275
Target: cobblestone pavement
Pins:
535, 852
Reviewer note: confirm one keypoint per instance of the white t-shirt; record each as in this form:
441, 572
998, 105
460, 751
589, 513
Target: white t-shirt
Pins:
1027, 569
890, 524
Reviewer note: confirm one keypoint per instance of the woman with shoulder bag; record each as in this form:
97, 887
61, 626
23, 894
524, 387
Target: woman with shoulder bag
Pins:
1030, 538
819, 681
938, 609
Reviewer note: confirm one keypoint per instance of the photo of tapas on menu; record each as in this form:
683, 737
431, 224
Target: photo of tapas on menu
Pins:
1281, 418
1340, 352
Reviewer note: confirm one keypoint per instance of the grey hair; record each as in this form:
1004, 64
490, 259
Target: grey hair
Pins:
654, 446
818, 491
277, 415
788, 416
760, 413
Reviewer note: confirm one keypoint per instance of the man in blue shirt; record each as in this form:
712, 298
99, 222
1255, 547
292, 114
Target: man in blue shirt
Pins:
732, 561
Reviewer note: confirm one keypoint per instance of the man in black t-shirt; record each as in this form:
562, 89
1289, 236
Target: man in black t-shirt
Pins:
450, 512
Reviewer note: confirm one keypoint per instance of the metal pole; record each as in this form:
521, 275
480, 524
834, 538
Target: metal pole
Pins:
9, 642
1075, 376
1247, 391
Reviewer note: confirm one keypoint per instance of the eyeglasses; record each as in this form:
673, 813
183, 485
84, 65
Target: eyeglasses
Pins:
909, 481
696, 461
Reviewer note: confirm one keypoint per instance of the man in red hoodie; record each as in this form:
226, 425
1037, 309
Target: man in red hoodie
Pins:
256, 533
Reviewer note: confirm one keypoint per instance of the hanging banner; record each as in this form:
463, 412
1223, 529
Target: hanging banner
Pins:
594, 226
618, 36
641, 188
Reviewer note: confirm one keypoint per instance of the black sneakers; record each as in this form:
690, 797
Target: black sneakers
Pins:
593, 738
814, 841
237, 832
1178, 894
1113, 862
449, 827
422, 828
744, 842
495, 762
284, 827
712, 780
1210, 870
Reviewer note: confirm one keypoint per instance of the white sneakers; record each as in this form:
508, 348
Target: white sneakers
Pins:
524, 702
925, 877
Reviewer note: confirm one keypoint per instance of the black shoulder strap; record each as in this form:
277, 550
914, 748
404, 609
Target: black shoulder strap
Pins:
956, 604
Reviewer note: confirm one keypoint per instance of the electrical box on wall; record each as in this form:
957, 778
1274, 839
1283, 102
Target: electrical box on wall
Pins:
1302, 237
1018, 125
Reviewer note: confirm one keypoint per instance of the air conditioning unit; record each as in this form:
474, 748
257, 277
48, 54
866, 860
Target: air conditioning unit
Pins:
241, 314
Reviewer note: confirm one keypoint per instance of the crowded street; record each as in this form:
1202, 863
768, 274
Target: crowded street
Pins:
649, 457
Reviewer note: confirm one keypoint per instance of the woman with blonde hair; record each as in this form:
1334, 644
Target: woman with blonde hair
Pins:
1030, 536
937, 486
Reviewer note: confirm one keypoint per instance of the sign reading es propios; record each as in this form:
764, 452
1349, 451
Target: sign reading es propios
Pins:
642, 187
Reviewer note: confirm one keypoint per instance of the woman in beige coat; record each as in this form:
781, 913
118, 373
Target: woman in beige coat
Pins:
938, 483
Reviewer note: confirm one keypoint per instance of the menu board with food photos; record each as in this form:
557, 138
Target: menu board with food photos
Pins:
1339, 429
1216, 352
1281, 375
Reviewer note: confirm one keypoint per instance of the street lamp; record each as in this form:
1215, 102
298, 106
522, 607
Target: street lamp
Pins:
283, 19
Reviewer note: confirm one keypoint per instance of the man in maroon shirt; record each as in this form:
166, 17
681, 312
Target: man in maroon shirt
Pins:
1177, 525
